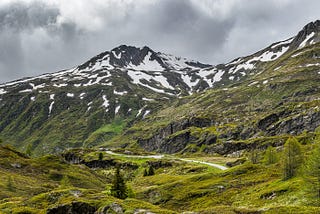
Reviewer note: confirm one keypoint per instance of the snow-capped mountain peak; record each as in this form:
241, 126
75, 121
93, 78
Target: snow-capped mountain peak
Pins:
144, 58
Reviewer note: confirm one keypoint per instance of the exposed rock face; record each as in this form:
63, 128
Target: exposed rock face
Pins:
307, 30
160, 164
73, 208
167, 140
112, 208
267, 121
100, 163
235, 163
226, 148
296, 124
72, 158
75, 159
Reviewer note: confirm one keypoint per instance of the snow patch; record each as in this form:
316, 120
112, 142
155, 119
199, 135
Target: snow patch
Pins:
270, 56
96, 81
82, 95
304, 42
33, 98
147, 64
245, 65
60, 85
50, 107
285, 42
117, 109
70, 95
105, 102
277, 68
188, 80
26, 90
140, 111
205, 72
218, 76
52, 96
136, 76
298, 54
310, 65
2, 91
147, 99
35, 87
116, 56
253, 83
119, 92
265, 82
146, 113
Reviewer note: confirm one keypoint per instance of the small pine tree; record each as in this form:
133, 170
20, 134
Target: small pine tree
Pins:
291, 158
10, 186
119, 189
312, 174
29, 150
254, 156
65, 182
151, 171
100, 156
270, 155
145, 172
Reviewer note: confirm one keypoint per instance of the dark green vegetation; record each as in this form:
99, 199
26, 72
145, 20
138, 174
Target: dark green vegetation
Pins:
261, 117
119, 188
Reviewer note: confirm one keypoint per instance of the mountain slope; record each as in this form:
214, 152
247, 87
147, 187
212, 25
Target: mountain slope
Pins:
278, 98
93, 102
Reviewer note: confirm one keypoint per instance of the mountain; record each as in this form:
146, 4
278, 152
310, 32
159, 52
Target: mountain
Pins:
92, 103
145, 101
276, 95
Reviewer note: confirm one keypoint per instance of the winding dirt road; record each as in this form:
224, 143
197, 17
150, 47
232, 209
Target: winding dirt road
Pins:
168, 156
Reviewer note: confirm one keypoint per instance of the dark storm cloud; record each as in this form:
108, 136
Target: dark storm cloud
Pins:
20, 20
11, 58
21, 16
186, 27
37, 37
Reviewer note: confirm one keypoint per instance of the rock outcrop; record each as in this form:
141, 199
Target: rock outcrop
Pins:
73, 208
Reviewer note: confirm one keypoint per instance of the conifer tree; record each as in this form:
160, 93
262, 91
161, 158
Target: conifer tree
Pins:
65, 182
10, 186
145, 172
312, 173
291, 158
29, 150
100, 156
151, 171
270, 155
119, 189
254, 156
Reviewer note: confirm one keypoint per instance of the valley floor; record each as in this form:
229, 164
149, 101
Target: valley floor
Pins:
54, 184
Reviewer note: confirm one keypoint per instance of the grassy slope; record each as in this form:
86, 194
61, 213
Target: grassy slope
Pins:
37, 184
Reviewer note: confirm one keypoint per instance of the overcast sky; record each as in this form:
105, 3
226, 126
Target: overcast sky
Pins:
41, 36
